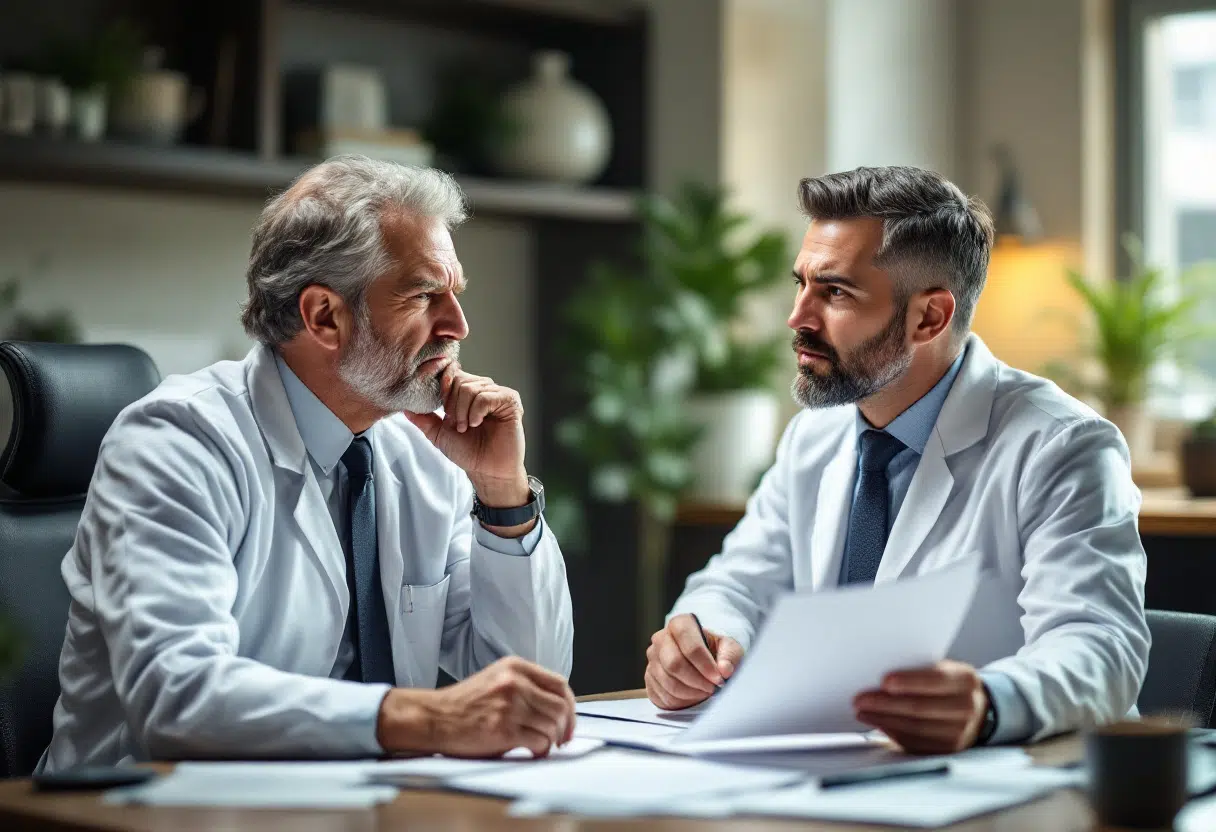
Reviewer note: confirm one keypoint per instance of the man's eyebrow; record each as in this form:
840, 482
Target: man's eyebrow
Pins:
434, 284
829, 279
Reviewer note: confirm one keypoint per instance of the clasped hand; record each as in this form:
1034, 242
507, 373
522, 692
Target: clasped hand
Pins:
931, 710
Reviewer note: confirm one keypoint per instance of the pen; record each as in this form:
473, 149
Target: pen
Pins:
704, 640
922, 768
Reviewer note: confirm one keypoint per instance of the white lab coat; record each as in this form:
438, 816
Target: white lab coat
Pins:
1017, 473
209, 588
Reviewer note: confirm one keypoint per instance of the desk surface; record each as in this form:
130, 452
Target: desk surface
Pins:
1165, 511
21, 808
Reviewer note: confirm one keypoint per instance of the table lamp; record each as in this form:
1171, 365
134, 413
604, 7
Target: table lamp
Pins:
1028, 315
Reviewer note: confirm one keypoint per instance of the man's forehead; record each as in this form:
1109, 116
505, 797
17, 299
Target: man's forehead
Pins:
830, 243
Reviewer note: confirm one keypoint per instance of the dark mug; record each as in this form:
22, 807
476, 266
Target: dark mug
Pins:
1137, 772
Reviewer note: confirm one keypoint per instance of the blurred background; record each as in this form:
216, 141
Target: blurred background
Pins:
631, 167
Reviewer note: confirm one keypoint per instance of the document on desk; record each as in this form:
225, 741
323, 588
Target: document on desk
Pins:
640, 710
624, 776
818, 650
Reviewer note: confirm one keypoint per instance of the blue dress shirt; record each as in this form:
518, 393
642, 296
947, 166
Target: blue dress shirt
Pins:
913, 427
326, 437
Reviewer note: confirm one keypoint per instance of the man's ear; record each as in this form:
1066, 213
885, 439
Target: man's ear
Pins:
327, 319
930, 314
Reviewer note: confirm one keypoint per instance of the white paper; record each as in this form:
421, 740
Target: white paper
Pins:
819, 650
402, 772
916, 801
640, 710
624, 776
294, 788
1197, 816
624, 732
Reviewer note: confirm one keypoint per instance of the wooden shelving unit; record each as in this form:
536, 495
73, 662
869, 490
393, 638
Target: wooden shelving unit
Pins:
218, 172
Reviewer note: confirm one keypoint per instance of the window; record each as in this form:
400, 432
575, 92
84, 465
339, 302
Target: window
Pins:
1171, 54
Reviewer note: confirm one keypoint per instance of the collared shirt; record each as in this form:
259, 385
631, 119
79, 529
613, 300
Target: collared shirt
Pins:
913, 427
326, 437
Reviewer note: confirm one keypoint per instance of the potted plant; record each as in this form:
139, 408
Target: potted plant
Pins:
1199, 459
96, 68
640, 341
708, 252
1137, 323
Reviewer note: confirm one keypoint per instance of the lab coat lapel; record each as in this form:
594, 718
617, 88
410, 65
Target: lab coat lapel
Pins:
963, 421
831, 516
273, 413
389, 496
926, 497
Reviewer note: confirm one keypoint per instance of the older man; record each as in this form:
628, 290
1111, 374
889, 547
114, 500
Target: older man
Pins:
277, 555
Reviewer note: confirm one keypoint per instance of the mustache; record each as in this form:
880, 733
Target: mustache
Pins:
447, 348
804, 339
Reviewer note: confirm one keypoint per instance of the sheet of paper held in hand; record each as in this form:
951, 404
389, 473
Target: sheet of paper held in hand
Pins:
818, 650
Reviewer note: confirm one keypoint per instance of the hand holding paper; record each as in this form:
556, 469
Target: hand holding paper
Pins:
931, 710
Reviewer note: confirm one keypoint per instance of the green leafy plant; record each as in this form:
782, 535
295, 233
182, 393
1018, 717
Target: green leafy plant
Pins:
17, 325
468, 124
699, 244
1138, 323
109, 58
640, 340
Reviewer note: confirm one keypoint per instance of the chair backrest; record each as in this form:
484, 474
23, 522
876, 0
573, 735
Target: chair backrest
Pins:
64, 398
1181, 666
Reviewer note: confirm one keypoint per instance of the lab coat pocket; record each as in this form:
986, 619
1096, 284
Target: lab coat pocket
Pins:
419, 633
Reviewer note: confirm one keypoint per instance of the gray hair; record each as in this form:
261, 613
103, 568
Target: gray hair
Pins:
325, 230
931, 230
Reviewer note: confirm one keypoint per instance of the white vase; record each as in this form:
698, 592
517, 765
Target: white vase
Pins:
89, 114
562, 132
1137, 427
736, 444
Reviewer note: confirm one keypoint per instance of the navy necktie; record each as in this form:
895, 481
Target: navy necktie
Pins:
868, 517
373, 660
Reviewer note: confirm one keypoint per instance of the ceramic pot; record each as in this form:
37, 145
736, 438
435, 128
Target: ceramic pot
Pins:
54, 107
1199, 465
736, 445
20, 103
155, 107
1137, 427
89, 114
562, 130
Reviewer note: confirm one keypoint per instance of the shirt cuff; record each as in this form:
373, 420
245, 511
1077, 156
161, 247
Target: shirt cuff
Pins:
517, 546
1015, 722
365, 702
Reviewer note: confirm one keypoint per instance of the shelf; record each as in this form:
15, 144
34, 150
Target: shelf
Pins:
205, 171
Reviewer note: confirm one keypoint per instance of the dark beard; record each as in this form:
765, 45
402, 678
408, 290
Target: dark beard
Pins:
872, 366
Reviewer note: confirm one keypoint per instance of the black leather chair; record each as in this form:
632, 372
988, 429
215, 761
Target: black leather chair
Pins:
1181, 666
64, 399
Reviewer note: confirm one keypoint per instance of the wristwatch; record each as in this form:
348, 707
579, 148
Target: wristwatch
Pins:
507, 517
988, 726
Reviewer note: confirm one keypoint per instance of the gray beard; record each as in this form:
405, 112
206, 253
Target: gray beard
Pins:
373, 369
876, 363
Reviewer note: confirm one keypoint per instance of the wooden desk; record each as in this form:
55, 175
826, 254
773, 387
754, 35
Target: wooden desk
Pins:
21, 808
1165, 511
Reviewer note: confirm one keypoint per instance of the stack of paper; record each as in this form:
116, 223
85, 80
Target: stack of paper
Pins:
625, 777
259, 785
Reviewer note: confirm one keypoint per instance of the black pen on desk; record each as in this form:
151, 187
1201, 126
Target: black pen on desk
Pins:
874, 774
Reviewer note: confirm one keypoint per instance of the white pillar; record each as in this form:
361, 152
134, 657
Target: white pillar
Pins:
891, 84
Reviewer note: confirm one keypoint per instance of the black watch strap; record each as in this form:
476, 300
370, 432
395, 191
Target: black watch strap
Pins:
991, 721
517, 516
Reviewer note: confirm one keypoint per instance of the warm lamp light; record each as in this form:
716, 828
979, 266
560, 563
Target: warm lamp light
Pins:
1028, 315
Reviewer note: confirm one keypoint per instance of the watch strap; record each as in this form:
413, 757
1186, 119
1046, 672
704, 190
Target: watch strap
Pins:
515, 516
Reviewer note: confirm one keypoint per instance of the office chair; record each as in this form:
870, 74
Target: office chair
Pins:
64, 398
1181, 666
